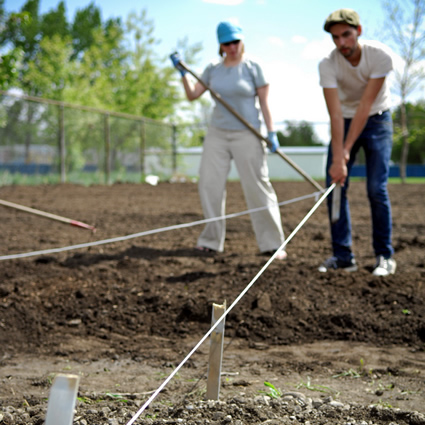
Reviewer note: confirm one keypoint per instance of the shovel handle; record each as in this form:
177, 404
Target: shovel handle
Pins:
336, 203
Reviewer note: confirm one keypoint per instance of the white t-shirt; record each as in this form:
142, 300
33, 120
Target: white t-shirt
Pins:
336, 72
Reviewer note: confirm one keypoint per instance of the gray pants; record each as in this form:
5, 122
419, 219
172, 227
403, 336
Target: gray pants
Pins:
220, 147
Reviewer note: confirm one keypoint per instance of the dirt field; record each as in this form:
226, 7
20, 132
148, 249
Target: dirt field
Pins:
342, 348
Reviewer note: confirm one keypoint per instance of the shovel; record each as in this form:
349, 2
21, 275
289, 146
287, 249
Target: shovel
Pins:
336, 203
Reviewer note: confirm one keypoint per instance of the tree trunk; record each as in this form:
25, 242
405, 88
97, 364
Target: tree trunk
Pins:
405, 145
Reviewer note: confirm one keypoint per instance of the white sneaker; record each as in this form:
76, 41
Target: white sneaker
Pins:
334, 263
384, 266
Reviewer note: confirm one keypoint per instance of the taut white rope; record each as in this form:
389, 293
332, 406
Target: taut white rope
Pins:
290, 237
148, 232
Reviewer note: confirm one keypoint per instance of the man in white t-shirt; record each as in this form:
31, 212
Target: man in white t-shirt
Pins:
355, 87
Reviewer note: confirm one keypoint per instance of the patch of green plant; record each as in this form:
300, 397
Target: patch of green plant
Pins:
50, 378
408, 392
395, 180
319, 388
273, 392
353, 373
151, 416
348, 373
85, 400
383, 404
117, 397
406, 311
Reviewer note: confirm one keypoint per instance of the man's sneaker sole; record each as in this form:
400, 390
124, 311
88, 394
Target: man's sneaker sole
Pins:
334, 263
349, 269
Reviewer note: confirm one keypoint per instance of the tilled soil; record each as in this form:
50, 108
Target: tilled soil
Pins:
337, 348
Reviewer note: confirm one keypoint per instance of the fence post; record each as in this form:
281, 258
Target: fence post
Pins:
62, 147
142, 148
107, 150
174, 146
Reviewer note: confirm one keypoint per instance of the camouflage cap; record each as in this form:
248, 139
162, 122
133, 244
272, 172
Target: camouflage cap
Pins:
342, 16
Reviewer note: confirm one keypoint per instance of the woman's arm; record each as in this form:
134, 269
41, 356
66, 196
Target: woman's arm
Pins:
263, 97
192, 91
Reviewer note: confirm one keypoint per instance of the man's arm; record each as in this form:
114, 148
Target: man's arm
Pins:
338, 169
340, 148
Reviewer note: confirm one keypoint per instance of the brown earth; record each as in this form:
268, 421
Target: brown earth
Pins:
122, 315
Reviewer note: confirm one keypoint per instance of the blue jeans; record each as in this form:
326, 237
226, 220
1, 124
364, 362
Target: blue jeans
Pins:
376, 141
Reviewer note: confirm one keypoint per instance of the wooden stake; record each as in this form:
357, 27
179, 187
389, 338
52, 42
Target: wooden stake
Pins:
63, 395
47, 215
216, 353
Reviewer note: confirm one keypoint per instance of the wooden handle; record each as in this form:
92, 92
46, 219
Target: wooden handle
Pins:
253, 129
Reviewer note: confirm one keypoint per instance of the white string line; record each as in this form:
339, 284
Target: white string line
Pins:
149, 232
223, 316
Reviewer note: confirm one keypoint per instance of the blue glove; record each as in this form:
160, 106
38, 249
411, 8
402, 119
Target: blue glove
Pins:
274, 141
176, 59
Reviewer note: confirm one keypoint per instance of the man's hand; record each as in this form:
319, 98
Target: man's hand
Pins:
346, 154
176, 59
338, 171
274, 141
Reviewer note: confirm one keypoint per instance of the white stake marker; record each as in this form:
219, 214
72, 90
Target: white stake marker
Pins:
63, 394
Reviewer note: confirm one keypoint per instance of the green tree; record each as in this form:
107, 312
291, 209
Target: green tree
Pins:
405, 28
148, 90
415, 119
51, 69
106, 65
86, 21
298, 134
55, 22
9, 58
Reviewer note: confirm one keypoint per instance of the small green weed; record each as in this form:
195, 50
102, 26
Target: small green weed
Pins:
350, 372
273, 392
353, 373
319, 388
117, 397
384, 404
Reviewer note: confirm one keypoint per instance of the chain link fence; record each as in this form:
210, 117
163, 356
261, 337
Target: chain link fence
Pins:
45, 141
49, 141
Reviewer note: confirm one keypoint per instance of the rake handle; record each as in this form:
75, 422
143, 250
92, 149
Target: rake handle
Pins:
47, 215
251, 128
